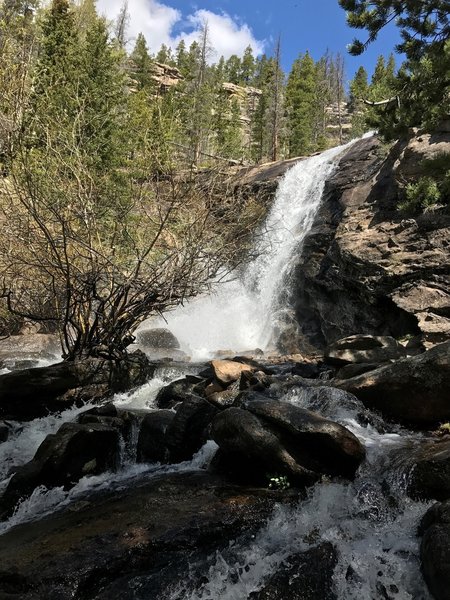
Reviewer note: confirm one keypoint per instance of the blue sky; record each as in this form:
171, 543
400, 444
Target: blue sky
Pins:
313, 25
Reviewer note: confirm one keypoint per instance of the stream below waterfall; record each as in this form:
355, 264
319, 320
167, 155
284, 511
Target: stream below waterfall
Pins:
371, 520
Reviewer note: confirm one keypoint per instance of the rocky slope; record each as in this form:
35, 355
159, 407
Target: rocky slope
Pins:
366, 267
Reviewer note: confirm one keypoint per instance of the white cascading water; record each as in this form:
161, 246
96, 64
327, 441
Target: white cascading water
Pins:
240, 314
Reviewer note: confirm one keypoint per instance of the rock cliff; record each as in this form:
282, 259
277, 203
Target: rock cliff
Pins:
366, 267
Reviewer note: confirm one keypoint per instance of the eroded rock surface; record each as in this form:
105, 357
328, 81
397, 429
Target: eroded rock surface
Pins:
367, 268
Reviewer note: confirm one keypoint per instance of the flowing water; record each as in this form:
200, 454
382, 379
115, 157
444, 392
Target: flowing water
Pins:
242, 314
370, 521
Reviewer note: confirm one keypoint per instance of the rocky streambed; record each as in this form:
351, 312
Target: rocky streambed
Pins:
238, 478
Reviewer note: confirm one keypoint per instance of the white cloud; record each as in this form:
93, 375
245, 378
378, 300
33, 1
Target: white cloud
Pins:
157, 22
227, 36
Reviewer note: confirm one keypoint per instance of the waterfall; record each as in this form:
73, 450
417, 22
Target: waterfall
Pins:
241, 314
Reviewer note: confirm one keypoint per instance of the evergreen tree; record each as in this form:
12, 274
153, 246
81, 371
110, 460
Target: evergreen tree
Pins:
422, 86
164, 56
247, 67
142, 64
233, 68
181, 58
359, 88
300, 101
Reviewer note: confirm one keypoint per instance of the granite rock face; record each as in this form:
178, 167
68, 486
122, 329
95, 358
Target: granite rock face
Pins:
366, 267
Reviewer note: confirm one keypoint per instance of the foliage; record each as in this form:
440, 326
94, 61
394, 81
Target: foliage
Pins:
420, 195
430, 189
421, 87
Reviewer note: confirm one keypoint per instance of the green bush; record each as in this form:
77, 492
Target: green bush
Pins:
420, 195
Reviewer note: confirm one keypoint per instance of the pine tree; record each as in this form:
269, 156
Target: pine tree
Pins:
164, 56
233, 68
422, 86
247, 67
142, 64
359, 88
300, 101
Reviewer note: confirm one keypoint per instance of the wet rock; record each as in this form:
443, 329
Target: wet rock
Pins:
189, 429
435, 550
32, 393
250, 449
364, 349
228, 371
226, 398
319, 444
63, 459
160, 338
152, 446
304, 576
430, 477
413, 390
142, 542
177, 391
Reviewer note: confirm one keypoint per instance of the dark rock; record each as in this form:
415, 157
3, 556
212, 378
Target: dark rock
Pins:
366, 268
63, 459
430, 476
304, 576
177, 391
349, 371
414, 390
157, 338
435, 550
4, 432
152, 445
141, 542
253, 450
106, 410
32, 393
317, 443
364, 349
257, 380
227, 397
188, 431
309, 370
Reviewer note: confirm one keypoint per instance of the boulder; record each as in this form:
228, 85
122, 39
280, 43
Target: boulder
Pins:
177, 391
251, 451
303, 576
63, 459
317, 443
32, 393
364, 349
435, 550
152, 446
228, 371
430, 476
414, 390
160, 338
188, 431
